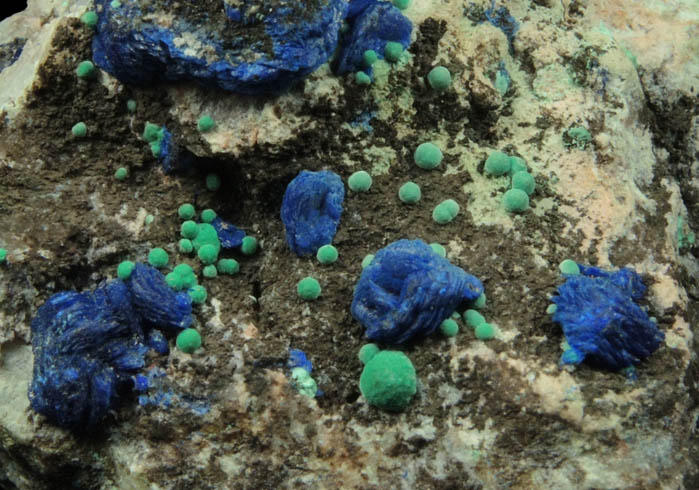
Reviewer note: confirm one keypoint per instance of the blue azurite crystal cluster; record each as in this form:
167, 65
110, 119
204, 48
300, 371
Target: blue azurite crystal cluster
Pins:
601, 320
311, 210
87, 346
408, 290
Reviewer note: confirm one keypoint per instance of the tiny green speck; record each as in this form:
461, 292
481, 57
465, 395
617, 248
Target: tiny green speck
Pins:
213, 182
205, 124
579, 137
185, 245
439, 78
208, 215
359, 181
121, 173
89, 18
125, 269
393, 51
228, 266
366, 261
308, 288
428, 156
551, 309
3, 255
189, 229
366, 352
327, 254
115, 4
439, 249
449, 328
158, 257
485, 331
473, 318
79, 130
186, 211
131, 106
207, 254
362, 78
479, 304
445, 211
515, 201
197, 293
249, 245
569, 268
409, 193
188, 340
369, 58
149, 219
86, 69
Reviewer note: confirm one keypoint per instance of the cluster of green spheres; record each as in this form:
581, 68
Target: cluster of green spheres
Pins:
516, 199
445, 211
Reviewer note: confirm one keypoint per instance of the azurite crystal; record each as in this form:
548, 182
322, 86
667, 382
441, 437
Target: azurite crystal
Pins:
88, 345
408, 290
254, 48
602, 323
311, 210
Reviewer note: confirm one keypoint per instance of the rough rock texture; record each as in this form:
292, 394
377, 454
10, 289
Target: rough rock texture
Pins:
490, 415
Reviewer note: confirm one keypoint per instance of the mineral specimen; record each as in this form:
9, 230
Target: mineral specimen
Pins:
249, 48
601, 321
88, 345
408, 290
311, 210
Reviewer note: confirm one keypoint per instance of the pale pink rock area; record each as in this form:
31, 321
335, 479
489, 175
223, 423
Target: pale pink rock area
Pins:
488, 415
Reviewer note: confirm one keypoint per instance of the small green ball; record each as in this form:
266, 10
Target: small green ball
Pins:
186, 211
208, 215
367, 352
174, 281
151, 132
303, 382
183, 269
210, 271
207, 235
308, 288
369, 58
445, 211
86, 70
185, 245
115, 4
393, 51
439, 78
89, 18
473, 318
207, 254
125, 269
149, 219
189, 229
362, 78
121, 173
515, 201
428, 156
517, 164
359, 181
327, 254
366, 261
523, 181
479, 304
449, 328
485, 331
409, 193
551, 309
3, 255
197, 293
205, 124
439, 249
79, 130
186, 273
388, 381
249, 245
131, 106
158, 257
401, 4
188, 340
213, 182
498, 163
569, 268
228, 266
